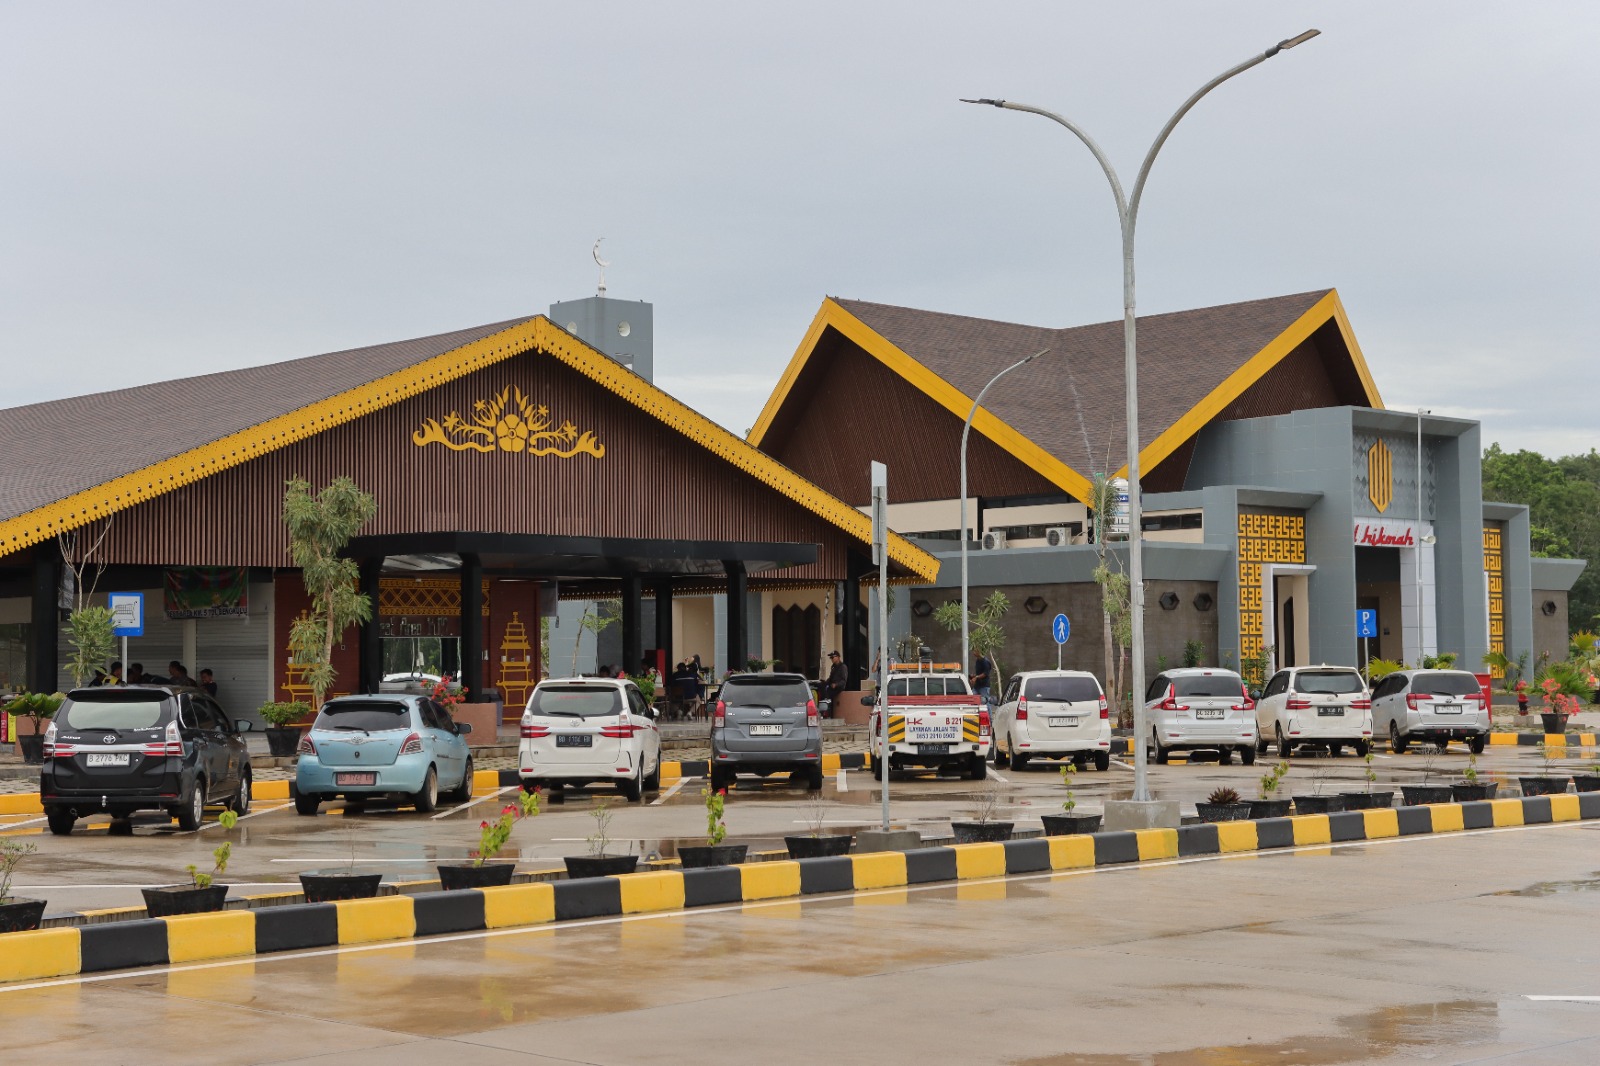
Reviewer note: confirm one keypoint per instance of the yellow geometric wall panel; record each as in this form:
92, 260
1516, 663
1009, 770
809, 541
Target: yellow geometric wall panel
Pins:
509, 422
1494, 569
1263, 538
1380, 476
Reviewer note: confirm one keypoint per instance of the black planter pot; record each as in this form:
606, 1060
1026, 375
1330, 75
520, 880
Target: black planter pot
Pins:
1469, 792
981, 832
698, 858
489, 875
1318, 804
32, 749
1553, 723
183, 899
1586, 782
1366, 801
325, 888
281, 743
818, 847
600, 865
1066, 825
1269, 808
1223, 812
20, 915
1421, 795
1543, 786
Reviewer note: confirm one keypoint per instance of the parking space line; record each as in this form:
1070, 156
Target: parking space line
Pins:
997, 777
1564, 999
474, 800
838, 781
1119, 762
673, 791
252, 814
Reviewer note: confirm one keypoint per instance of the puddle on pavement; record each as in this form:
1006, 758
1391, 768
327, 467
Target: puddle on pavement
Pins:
1362, 1037
1553, 888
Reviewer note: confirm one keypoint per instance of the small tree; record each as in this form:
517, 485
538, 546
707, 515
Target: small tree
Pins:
89, 629
597, 617
986, 629
320, 525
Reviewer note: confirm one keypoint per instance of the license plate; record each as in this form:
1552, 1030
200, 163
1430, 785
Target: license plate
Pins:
1058, 722
358, 778
766, 730
1447, 708
1209, 712
933, 749
574, 740
1330, 712
107, 759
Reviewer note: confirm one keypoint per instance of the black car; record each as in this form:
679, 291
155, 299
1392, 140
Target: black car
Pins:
116, 750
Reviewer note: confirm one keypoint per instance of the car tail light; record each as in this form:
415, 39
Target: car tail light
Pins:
306, 746
1297, 703
1477, 697
1105, 708
983, 723
412, 745
1022, 710
174, 740
50, 742
1171, 702
719, 717
534, 731
622, 729
1245, 702
1415, 699
813, 719
1361, 704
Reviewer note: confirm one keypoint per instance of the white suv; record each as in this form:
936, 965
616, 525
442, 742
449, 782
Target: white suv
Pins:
1198, 708
1436, 706
1053, 714
1322, 705
579, 730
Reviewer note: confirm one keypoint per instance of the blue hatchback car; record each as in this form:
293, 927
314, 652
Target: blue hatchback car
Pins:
388, 746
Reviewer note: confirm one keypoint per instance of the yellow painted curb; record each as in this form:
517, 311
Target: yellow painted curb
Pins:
1157, 844
661, 890
1506, 811
1503, 739
1565, 809
882, 869
1311, 829
769, 880
1071, 852
269, 790
40, 953
979, 860
23, 803
1446, 817
363, 921
1236, 836
505, 906
193, 937
1381, 822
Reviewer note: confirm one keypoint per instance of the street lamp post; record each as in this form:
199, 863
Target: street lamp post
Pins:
1127, 215
1422, 644
966, 631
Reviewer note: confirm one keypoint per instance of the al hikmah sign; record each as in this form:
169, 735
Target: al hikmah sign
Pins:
1386, 535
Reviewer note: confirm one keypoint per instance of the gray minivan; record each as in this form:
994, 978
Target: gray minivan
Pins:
765, 724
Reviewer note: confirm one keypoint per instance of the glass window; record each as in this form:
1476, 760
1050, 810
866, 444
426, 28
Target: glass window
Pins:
1219, 684
576, 701
101, 712
368, 716
1157, 689
1440, 683
1063, 689
761, 692
928, 685
1329, 682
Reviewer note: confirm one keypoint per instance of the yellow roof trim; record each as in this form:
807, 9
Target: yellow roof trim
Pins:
616, 378
926, 381
1255, 368
187, 467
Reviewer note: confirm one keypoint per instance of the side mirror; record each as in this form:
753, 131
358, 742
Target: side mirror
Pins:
243, 726
868, 701
1255, 694
463, 728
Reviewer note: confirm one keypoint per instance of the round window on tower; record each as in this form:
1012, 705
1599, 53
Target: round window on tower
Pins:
572, 327
623, 329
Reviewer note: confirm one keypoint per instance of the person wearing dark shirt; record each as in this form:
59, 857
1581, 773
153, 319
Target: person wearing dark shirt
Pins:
833, 688
208, 683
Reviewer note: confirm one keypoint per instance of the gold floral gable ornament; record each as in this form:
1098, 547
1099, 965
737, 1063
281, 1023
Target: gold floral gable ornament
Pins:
509, 422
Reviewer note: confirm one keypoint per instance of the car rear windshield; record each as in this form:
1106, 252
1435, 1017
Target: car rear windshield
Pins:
738, 693
577, 701
371, 716
1329, 682
1442, 684
134, 710
1062, 689
928, 686
1207, 685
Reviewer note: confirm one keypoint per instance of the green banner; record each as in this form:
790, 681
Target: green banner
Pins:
207, 592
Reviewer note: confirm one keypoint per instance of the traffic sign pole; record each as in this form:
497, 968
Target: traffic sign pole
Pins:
1061, 629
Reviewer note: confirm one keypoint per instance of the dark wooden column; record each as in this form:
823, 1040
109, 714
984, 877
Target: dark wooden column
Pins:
369, 642
663, 592
632, 623
472, 626
738, 591
854, 619
43, 664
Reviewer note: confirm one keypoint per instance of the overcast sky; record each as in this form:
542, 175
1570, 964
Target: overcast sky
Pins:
188, 187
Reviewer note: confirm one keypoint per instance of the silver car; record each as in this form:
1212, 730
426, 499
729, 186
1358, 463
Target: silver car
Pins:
1195, 708
1315, 706
1434, 706
765, 724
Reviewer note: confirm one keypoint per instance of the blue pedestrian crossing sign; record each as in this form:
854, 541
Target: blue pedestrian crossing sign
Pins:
1366, 623
1060, 628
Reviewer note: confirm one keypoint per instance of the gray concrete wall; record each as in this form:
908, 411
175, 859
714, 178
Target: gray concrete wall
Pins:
1460, 595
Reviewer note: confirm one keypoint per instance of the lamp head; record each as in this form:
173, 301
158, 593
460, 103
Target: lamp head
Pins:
1291, 42
991, 103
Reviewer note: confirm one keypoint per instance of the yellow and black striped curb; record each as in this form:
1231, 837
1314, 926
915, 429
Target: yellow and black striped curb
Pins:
1552, 740
161, 941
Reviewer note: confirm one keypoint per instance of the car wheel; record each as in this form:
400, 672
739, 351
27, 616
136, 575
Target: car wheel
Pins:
427, 797
192, 813
1335, 750
462, 793
632, 788
1362, 747
1397, 743
1080, 761
1247, 754
1476, 744
977, 769
306, 805
1001, 759
1102, 760
1225, 757
814, 779
721, 778
61, 820
652, 780
1261, 745
1162, 755
1444, 745
876, 766
1285, 749
241, 799
1019, 761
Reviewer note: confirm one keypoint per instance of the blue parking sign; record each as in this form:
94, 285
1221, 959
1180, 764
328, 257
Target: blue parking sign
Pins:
1060, 628
1366, 623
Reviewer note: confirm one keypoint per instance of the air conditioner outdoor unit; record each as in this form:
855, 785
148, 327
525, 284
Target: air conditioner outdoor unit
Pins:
993, 541
1058, 536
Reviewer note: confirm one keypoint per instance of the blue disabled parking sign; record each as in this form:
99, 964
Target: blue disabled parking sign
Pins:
1060, 628
1366, 623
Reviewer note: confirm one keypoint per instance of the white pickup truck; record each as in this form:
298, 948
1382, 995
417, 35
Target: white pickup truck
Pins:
936, 722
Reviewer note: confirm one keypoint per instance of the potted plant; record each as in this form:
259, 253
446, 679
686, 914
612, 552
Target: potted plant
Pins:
1559, 706
597, 863
201, 894
323, 886
1548, 783
984, 828
281, 739
492, 837
1589, 782
1223, 805
1368, 799
1269, 805
39, 707
1068, 823
16, 915
714, 852
1419, 795
1472, 786
1317, 803
815, 845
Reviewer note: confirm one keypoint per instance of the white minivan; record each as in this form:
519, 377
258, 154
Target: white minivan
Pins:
1053, 714
1197, 708
1324, 706
580, 730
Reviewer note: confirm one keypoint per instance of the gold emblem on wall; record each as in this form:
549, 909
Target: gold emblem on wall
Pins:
1380, 476
509, 422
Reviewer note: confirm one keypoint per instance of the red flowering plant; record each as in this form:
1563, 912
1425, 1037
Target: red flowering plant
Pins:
444, 697
493, 836
1557, 701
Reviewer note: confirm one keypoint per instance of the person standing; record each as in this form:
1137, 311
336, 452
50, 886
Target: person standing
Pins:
980, 677
833, 688
208, 682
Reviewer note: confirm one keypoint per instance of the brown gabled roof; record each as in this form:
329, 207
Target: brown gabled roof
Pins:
1064, 414
54, 449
